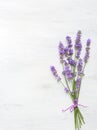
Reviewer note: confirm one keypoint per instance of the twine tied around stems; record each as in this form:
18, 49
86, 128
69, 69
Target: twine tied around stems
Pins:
73, 106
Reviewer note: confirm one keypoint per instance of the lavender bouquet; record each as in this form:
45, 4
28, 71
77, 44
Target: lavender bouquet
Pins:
73, 71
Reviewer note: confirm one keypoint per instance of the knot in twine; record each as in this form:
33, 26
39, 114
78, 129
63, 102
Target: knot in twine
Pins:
73, 106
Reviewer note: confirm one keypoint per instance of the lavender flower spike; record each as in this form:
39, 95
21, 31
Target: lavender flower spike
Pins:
61, 51
78, 82
66, 90
88, 42
54, 72
69, 46
78, 45
78, 39
80, 65
68, 73
71, 62
86, 57
69, 42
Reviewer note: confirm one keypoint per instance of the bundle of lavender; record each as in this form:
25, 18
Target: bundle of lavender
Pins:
73, 71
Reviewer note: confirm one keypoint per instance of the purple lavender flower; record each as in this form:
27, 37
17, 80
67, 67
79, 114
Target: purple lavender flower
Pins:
70, 53
78, 52
68, 73
80, 65
66, 51
67, 69
88, 42
69, 50
71, 61
78, 37
78, 82
86, 57
78, 45
66, 90
69, 42
54, 72
61, 51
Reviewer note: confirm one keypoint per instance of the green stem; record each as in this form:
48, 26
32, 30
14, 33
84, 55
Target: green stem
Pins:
78, 118
75, 120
